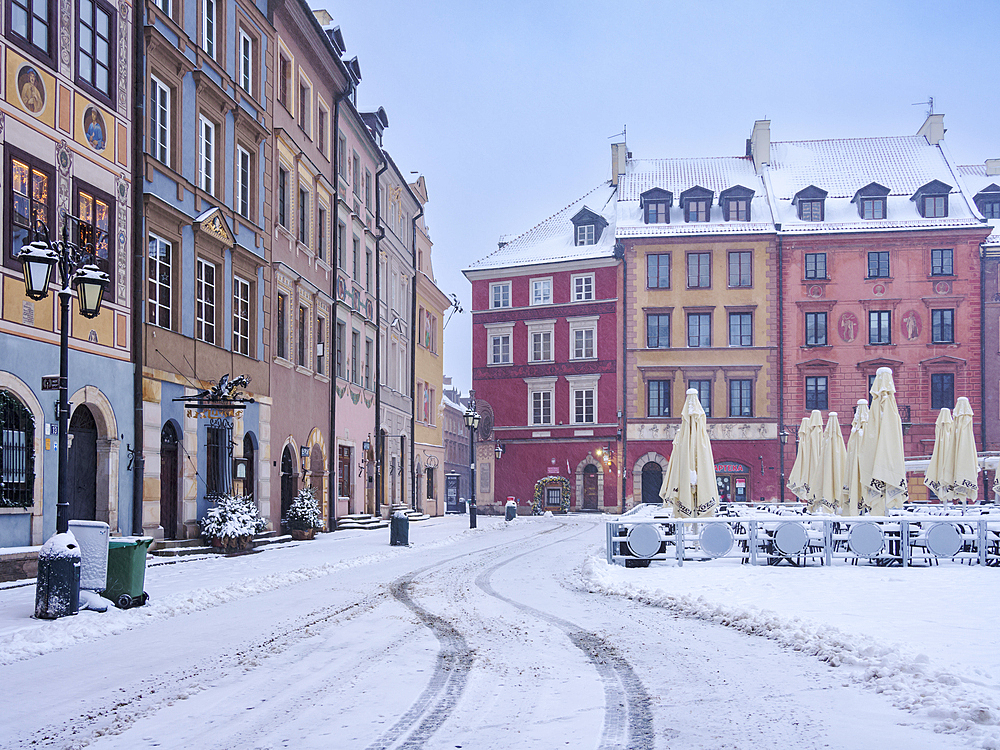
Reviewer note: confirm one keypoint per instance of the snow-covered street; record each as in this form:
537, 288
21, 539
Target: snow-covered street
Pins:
510, 636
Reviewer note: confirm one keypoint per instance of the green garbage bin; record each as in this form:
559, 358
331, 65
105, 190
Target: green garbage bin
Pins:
127, 570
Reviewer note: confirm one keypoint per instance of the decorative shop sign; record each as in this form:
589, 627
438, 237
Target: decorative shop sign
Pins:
224, 399
731, 467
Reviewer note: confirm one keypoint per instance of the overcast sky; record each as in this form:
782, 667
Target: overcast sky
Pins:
507, 108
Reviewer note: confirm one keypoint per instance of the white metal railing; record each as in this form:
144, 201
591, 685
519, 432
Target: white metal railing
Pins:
635, 539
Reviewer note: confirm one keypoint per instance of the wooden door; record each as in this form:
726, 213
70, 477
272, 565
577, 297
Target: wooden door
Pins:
168, 481
652, 480
82, 466
288, 480
590, 487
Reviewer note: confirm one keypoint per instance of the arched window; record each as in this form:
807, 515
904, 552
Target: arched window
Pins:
17, 453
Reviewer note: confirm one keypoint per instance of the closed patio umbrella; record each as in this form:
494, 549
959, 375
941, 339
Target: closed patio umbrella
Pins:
850, 501
798, 479
883, 471
806, 469
965, 480
940, 473
689, 484
832, 463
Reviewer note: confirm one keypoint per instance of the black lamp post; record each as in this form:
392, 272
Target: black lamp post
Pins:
75, 263
472, 422
783, 437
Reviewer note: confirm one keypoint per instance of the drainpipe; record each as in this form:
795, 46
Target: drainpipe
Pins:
781, 365
379, 444
620, 249
138, 261
413, 356
982, 361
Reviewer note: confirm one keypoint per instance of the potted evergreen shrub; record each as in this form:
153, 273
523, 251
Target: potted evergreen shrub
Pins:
232, 523
304, 516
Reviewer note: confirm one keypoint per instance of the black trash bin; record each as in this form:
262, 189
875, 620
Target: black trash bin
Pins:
510, 510
399, 529
57, 592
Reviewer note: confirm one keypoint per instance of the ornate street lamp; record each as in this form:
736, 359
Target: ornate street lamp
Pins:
472, 418
75, 262
499, 449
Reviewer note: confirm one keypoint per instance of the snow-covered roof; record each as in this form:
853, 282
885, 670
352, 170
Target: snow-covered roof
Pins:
977, 180
447, 402
715, 174
843, 166
552, 239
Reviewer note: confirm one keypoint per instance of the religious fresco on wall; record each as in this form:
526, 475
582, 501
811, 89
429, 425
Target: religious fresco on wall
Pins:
31, 89
94, 128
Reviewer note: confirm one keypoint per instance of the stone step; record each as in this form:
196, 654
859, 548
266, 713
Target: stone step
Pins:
361, 521
185, 547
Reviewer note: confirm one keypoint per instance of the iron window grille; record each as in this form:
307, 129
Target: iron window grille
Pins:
17, 453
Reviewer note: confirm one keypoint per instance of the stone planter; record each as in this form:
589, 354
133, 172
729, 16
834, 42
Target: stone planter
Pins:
302, 534
229, 544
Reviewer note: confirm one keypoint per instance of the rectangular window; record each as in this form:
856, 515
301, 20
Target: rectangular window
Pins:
541, 407
29, 21
541, 291
935, 206
282, 325
342, 247
741, 329
321, 129
699, 331
740, 398
658, 398
368, 190
657, 212
246, 62
340, 343
811, 210
658, 271
541, 346
699, 270
585, 234
704, 388
878, 264
815, 265
658, 331
342, 156
302, 359
160, 282
738, 209
208, 27
305, 106
943, 262
96, 213
942, 390
942, 326
816, 329
879, 327
321, 232
206, 155
583, 406
241, 316
303, 216
283, 197
284, 80
500, 295
96, 40
368, 363
368, 269
696, 210
873, 208
355, 357
321, 345
244, 174
583, 288
740, 265
205, 299
991, 209
500, 346
356, 174
816, 393
583, 343
356, 257
159, 120
30, 191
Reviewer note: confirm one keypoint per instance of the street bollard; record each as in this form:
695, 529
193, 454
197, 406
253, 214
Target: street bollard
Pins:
472, 514
57, 591
399, 529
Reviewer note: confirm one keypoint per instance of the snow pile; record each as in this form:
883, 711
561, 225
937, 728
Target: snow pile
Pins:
955, 702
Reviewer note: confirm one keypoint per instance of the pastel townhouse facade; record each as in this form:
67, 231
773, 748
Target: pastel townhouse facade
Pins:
428, 371
456, 443
311, 77
66, 129
396, 263
982, 182
879, 249
207, 247
545, 353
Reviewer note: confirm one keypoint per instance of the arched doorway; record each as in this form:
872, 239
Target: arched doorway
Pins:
590, 487
289, 480
168, 480
250, 483
652, 481
82, 465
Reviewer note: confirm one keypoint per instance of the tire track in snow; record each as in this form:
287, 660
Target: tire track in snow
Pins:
628, 720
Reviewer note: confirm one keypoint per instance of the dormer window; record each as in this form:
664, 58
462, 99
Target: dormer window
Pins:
655, 205
932, 199
697, 204
988, 202
587, 227
871, 201
810, 203
735, 202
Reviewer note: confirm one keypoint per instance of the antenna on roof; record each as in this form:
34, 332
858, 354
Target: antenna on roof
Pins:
929, 103
623, 134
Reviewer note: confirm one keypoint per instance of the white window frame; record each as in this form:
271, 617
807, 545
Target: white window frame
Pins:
499, 331
541, 386
541, 291
498, 288
242, 314
244, 174
246, 62
163, 5
586, 235
582, 384
209, 22
541, 328
206, 154
582, 285
583, 325
159, 94
155, 286
205, 320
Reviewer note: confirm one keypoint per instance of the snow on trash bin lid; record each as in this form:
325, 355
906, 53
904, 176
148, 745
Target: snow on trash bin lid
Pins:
400, 514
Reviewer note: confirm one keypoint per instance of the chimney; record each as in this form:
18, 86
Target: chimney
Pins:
992, 166
760, 144
933, 129
619, 156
